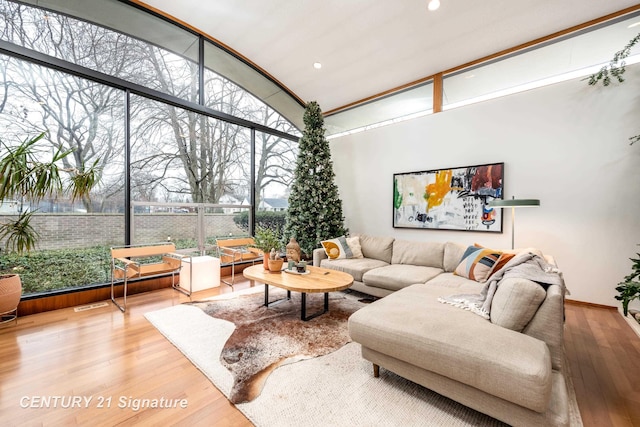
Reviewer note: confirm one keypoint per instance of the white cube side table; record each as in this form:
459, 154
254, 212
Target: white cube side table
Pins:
203, 273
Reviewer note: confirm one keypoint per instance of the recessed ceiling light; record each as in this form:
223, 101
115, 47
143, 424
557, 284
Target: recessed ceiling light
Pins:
635, 24
433, 5
317, 65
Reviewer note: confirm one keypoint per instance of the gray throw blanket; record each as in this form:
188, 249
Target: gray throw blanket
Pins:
525, 265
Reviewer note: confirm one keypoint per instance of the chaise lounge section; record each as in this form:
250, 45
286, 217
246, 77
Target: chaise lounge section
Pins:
509, 367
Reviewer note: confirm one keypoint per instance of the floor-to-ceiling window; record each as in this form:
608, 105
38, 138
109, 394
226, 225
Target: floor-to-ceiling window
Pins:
132, 92
79, 115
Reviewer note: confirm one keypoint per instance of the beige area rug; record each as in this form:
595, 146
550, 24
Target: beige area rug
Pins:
336, 389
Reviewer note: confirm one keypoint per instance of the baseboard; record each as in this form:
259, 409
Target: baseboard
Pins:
632, 322
589, 304
80, 297
76, 297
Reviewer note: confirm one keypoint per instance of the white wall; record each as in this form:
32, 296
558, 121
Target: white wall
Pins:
565, 144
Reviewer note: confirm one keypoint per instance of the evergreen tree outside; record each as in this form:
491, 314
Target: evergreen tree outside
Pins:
315, 208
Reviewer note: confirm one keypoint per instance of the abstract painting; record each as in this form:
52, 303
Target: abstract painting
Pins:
449, 199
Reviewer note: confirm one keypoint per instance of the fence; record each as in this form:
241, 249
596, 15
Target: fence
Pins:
80, 230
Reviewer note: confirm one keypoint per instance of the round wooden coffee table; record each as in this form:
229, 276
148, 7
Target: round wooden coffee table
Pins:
318, 280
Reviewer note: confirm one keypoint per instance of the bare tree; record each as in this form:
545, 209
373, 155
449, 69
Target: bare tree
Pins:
276, 161
178, 151
79, 114
189, 152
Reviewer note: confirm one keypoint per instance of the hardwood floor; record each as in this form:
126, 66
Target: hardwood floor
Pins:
116, 358
604, 358
111, 357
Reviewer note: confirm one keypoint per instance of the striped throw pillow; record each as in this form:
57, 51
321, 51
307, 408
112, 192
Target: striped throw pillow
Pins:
478, 263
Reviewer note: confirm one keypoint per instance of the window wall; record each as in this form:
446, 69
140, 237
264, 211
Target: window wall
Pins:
274, 168
105, 50
236, 88
403, 105
578, 54
122, 88
78, 115
179, 155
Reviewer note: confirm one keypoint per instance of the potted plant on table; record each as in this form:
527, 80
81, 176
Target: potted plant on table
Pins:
25, 176
266, 239
275, 261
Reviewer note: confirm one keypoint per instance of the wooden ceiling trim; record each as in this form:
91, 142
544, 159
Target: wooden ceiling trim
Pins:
491, 57
437, 93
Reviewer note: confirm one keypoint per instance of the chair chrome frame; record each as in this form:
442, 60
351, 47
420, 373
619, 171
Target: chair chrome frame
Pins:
137, 269
236, 253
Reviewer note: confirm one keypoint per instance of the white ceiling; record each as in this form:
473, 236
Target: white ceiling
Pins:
369, 46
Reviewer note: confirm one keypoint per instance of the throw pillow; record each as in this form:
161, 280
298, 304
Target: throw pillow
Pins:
337, 248
505, 257
354, 245
477, 263
515, 303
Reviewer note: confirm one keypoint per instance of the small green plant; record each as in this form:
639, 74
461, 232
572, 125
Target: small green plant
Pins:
616, 68
20, 235
266, 239
272, 220
629, 290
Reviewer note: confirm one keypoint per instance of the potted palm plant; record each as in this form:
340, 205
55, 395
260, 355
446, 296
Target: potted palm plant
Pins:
24, 175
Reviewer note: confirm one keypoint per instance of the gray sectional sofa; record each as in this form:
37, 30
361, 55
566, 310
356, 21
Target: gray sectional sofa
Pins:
509, 367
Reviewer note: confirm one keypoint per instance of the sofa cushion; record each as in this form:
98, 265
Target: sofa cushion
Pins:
355, 267
374, 247
515, 303
354, 245
411, 325
426, 254
459, 283
547, 324
398, 276
452, 255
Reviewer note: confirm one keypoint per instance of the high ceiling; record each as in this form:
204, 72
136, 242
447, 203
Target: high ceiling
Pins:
370, 46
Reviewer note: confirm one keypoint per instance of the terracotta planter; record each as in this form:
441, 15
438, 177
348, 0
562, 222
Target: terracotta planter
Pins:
266, 260
10, 293
275, 265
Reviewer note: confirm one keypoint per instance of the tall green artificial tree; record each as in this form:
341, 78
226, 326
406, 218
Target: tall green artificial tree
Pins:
315, 208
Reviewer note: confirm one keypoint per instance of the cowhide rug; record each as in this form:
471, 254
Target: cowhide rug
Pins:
267, 337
